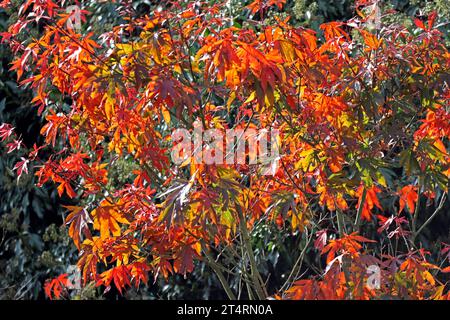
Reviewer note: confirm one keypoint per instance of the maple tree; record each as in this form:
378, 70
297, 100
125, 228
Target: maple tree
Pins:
363, 116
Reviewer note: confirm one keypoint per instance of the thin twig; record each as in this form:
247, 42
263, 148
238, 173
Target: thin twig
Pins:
441, 204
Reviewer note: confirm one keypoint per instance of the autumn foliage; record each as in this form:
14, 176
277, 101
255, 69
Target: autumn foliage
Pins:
363, 115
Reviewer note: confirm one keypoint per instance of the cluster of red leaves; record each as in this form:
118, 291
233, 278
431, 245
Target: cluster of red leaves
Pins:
347, 276
56, 287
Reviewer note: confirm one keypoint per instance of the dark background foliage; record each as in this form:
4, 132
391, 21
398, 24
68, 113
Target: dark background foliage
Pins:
33, 246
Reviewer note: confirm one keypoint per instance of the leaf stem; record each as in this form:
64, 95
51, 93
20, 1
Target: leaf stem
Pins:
340, 222
441, 204
360, 209
220, 275
257, 280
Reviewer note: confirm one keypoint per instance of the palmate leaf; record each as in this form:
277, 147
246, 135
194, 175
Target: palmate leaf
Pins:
408, 197
175, 202
184, 262
120, 276
55, 287
370, 201
107, 217
78, 220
